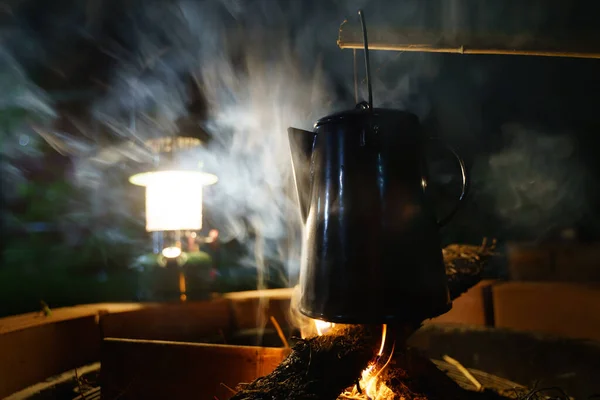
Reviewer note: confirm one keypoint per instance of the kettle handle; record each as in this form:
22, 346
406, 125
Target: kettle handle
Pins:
465, 184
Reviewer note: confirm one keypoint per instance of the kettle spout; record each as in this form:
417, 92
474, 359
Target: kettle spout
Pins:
301, 147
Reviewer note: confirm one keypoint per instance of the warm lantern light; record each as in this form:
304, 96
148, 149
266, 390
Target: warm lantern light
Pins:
171, 252
173, 198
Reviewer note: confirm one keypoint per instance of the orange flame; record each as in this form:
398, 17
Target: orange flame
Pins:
323, 327
383, 334
374, 387
371, 385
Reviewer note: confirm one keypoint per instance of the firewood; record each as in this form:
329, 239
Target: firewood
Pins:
464, 265
320, 367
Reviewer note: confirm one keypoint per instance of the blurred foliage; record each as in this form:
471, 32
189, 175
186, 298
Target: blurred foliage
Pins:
21, 290
239, 273
242, 278
40, 266
41, 200
53, 250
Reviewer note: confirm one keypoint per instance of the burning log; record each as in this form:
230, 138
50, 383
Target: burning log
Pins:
329, 366
320, 367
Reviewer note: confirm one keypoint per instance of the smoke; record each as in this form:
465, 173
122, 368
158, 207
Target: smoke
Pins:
263, 66
250, 154
19, 93
536, 181
256, 84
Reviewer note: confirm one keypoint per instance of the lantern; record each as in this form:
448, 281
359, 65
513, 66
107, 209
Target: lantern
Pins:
173, 199
173, 196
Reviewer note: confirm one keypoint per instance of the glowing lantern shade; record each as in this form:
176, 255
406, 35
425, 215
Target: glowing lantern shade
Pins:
173, 198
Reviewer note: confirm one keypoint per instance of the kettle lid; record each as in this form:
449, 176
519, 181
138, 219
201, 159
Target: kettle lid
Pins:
362, 112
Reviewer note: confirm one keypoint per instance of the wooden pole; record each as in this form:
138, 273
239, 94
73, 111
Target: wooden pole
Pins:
466, 50
392, 38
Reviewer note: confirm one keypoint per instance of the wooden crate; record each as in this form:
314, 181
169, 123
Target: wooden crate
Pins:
147, 369
472, 307
557, 262
193, 321
564, 309
30, 355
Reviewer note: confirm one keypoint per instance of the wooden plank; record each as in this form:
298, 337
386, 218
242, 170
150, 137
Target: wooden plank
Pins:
275, 294
469, 308
531, 263
33, 319
144, 369
187, 322
253, 309
49, 383
564, 309
28, 356
572, 262
578, 263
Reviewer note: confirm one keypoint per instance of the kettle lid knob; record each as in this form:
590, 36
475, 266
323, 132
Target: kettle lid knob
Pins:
363, 105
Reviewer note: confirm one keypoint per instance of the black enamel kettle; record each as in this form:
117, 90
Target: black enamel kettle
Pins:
371, 248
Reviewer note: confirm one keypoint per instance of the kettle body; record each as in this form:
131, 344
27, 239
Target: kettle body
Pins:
371, 247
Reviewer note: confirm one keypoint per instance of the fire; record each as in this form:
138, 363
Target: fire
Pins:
323, 327
370, 385
383, 334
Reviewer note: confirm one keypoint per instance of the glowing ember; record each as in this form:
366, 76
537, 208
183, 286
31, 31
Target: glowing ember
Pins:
371, 386
323, 326
383, 334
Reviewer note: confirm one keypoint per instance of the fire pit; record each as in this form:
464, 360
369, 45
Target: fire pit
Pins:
180, 350
152, 369
195, 350
249, 345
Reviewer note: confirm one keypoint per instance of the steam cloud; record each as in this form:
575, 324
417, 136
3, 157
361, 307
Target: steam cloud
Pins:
536, 181
252, 103
262, 66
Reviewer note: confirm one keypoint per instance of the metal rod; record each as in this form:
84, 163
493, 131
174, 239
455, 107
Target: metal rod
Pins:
367, 63
355, 78
464, 50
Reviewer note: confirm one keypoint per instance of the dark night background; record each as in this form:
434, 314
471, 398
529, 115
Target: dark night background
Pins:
526, 126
